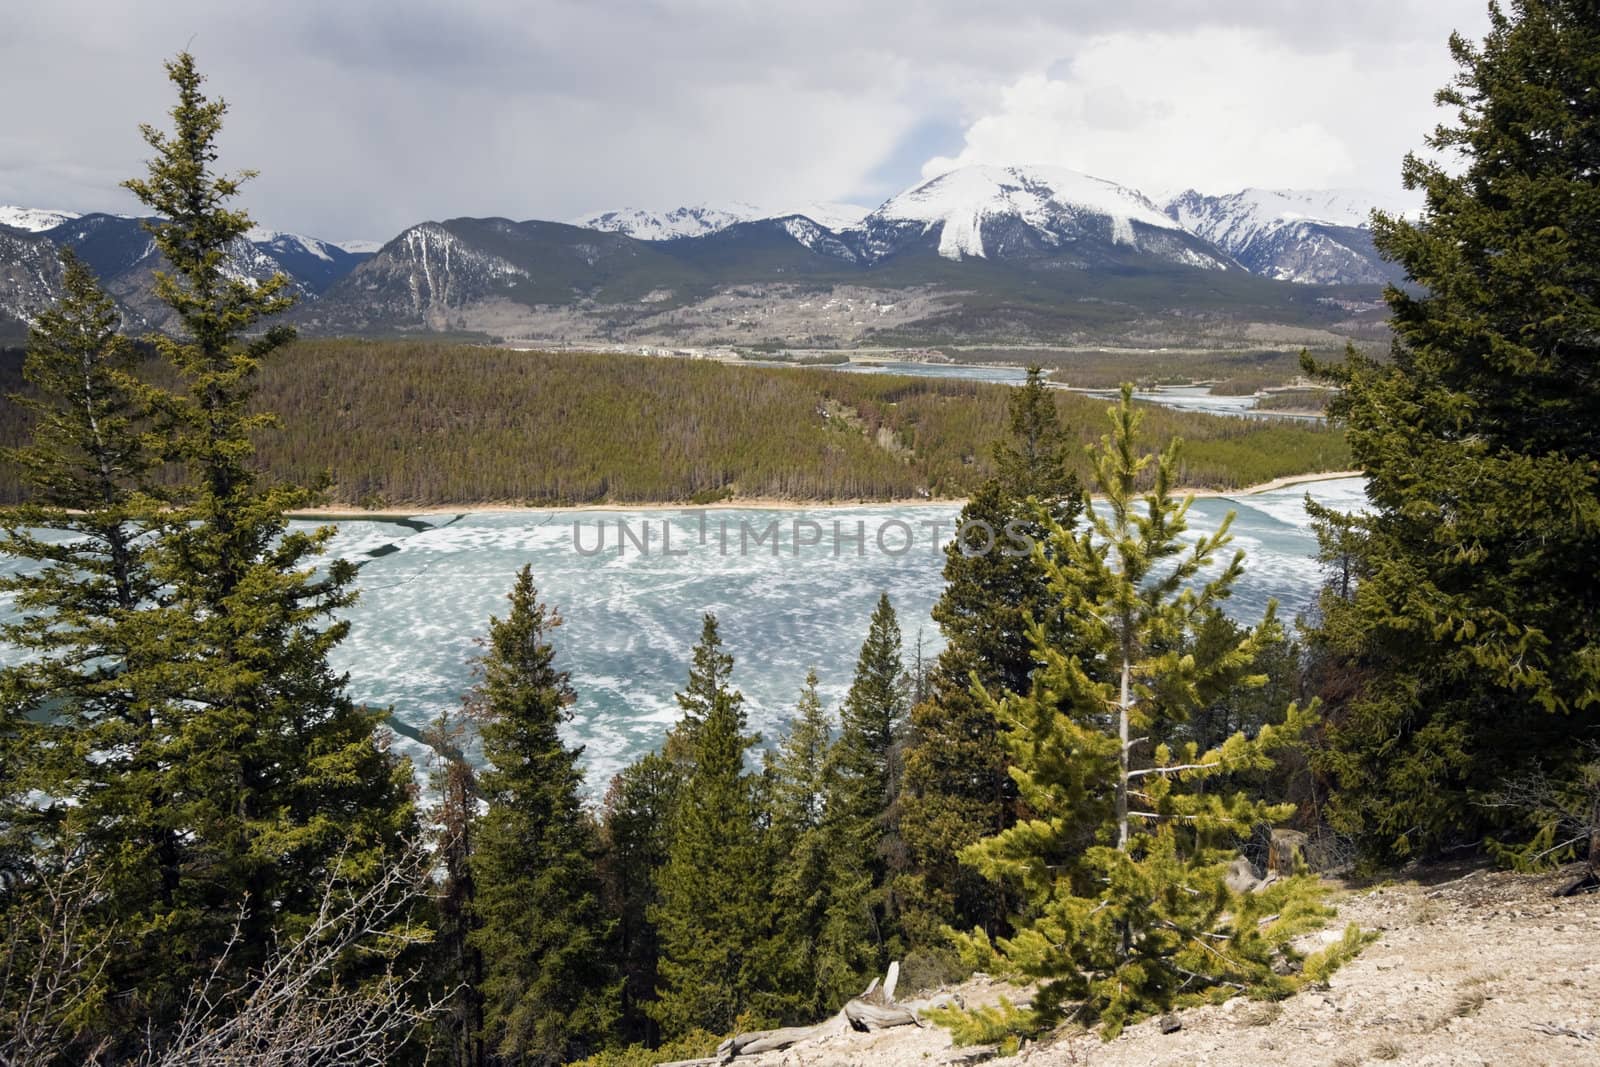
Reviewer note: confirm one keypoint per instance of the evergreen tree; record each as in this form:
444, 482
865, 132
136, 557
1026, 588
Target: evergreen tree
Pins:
221, 775
956, 789
85, 468
800, 769
547, 993
457, 962
271, 779
1124, 852
824, 940
76, 728
867, 781
713, 908
707, 690
636, 829
1471, 630
873, 719
1036, 460
1243, 709
84, 471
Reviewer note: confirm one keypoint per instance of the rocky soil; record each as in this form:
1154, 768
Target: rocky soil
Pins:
1472, 967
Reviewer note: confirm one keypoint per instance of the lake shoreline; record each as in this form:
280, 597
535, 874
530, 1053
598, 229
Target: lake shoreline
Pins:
750, 504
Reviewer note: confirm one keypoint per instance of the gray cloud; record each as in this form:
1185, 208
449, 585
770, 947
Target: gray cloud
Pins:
364, 117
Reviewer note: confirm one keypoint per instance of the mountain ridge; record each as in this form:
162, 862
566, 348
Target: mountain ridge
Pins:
1028, 244
1305, 236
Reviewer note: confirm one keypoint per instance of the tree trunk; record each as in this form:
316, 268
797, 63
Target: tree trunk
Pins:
865, 1016
1122, 754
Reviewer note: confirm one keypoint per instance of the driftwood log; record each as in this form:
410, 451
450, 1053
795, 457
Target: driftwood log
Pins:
874, 1009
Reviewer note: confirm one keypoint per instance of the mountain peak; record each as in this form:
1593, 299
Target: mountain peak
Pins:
698, 220
33, 219
1054, 201
1297, 235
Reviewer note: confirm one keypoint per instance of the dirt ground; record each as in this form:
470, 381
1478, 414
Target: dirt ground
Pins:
1472, 967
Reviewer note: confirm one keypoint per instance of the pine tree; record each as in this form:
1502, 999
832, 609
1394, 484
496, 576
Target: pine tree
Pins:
713, 912
221, 775
873, 718
1036, 460
265, 771
87, 464
706, 691
800, 768
76, 728
457, 962
84, 471
956, 789
637, 831
866, 783
1471, 630
1125, 850
547, 993
824, 943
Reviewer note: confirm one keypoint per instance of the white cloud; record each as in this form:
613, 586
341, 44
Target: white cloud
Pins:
365, 116
1217, 109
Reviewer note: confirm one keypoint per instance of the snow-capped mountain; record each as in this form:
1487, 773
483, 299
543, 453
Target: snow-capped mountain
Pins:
359, 247
124, 257
32, 219
646, 225
314, 263
829, 214
292, 244
1028, 212
701, 219
1308, 236
1017, 242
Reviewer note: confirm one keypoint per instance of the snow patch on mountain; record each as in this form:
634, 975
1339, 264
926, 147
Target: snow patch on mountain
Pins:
279, 243
829, 214
1233, 221
646, 225
359, 247
698, 220
33, 219
436, 271
960, 202
1293, 234
819, 238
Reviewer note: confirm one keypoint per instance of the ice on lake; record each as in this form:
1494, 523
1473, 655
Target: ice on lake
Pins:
428, 586
632, 617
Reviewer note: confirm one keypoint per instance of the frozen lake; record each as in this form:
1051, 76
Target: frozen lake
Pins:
428, 586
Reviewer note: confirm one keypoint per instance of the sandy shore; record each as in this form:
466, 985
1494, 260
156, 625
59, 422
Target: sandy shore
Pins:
749, 504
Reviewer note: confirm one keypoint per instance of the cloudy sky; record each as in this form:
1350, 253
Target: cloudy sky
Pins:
364, 116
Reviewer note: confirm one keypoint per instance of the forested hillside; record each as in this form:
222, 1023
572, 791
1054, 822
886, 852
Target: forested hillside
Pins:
418, 423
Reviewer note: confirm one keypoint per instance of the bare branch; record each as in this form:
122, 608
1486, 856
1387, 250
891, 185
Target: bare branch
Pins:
294, 1009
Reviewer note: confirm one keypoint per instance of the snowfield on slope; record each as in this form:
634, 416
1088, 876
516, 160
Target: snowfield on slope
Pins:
1233, 221
962, 199
33, 219
698, 220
